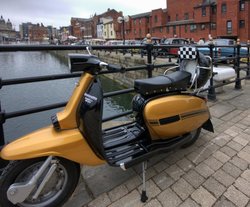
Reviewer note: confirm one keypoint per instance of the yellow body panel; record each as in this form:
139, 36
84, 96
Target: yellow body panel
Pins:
67, 117
172, 116
69, 144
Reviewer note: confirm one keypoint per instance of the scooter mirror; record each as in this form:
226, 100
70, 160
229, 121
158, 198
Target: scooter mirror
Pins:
84, 63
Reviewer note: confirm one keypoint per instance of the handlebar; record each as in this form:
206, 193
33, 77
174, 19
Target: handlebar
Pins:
112, 67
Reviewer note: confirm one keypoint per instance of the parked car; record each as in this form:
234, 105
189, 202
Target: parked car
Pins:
222, 52
173, 50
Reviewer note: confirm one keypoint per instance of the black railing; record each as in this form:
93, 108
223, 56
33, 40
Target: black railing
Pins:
151, 52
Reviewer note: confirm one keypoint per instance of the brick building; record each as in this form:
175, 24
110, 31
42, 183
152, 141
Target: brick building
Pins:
38, 32
93, 26
198, 18
187, 19
150, 22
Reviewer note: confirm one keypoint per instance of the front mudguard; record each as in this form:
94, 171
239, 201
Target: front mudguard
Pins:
208, 126
69, 144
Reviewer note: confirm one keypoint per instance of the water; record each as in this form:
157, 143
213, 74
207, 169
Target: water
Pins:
24, 96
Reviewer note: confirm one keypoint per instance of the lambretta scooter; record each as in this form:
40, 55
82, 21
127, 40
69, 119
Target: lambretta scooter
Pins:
44, 166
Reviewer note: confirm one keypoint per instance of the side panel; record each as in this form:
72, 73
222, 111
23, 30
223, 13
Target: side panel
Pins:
67, 117
69, 144
172, 116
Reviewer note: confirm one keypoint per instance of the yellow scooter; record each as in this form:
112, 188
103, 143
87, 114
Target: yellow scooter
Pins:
44, 166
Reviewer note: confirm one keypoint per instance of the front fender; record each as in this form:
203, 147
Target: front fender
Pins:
69, 144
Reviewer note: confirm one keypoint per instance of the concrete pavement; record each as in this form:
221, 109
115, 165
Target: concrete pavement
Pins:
215, 171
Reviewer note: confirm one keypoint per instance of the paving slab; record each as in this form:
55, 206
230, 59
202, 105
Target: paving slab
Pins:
104, 178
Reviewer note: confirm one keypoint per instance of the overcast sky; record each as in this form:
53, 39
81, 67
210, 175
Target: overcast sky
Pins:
59, 12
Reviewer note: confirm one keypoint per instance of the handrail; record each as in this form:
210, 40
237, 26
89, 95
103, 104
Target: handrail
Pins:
149, 67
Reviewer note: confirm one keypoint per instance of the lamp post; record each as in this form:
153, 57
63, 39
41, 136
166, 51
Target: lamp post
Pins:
122, 20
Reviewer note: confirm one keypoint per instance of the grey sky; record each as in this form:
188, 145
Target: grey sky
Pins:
59, 12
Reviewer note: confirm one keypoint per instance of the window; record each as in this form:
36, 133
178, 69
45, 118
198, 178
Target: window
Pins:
134, 21
213, 26
242, 5
186, 28
203, 11
186, 16
160, 29
176, 17
214, 9
229, 27
242, 23
167, 29
156, 19
134, 31
174, 30
193, 28
169, 18
223, 8
111, 33
203, 26
139, 21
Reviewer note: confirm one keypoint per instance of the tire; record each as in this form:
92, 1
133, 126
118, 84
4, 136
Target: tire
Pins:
55, 193
195, 135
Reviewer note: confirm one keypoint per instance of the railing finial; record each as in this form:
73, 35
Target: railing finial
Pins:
149, 40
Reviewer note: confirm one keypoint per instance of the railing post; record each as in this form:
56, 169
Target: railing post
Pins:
248, 59
2, 142
3, 163
237, 67
149, 48
211, 92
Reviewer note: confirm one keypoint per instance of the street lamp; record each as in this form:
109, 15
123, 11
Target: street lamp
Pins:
122, 20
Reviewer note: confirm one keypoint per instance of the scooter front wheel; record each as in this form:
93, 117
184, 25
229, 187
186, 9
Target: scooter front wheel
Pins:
194, 136
56, 191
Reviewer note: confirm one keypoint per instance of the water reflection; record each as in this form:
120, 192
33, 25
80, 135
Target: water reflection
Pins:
24, 96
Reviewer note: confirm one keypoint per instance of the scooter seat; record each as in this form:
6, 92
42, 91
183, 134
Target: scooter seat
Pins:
175, 81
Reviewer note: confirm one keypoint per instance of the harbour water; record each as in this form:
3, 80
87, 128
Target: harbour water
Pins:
25, 96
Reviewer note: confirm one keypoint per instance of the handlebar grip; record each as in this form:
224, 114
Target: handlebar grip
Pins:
114, 67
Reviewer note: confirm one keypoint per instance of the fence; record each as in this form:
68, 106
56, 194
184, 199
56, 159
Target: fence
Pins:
151, 52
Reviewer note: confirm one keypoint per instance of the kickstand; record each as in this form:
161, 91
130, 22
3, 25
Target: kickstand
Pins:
144, 196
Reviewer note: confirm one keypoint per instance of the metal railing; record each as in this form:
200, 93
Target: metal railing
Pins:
151, 52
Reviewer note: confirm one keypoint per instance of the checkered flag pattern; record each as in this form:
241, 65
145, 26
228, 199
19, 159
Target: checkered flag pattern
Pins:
188, 53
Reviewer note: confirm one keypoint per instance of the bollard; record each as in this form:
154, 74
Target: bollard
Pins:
211, 92
237, 66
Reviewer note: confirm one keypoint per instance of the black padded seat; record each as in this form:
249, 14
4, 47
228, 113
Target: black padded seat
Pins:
175, 81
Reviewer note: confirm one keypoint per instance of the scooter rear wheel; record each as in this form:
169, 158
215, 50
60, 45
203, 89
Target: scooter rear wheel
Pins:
55, 193
195, 135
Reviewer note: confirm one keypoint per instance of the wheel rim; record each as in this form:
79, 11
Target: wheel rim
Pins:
51, 191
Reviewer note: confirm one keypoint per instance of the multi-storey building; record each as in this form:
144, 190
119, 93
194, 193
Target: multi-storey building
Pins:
193, 19
81, 27
7, 33
199, 18
37, 32
86, 28
108, 31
